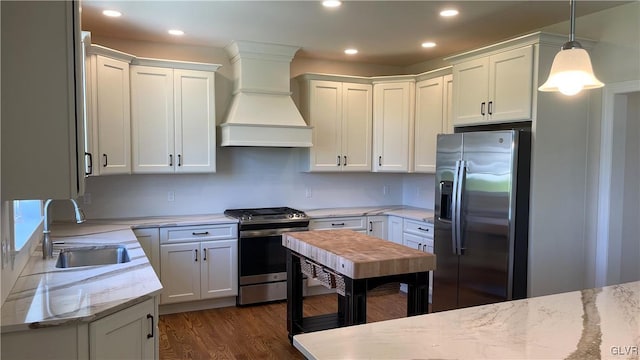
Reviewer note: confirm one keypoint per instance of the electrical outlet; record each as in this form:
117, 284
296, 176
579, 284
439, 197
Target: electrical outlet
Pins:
386, 189
86, 198
308, 193
171, 196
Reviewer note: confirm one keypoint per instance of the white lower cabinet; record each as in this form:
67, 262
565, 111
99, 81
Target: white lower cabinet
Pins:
149, 240
395, 229
131, 333
419, 235
355, 223
377, 226
198, 262
128, 334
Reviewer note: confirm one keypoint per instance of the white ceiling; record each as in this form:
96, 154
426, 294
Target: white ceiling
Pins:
384, 32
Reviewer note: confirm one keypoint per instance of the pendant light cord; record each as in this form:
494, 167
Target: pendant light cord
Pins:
572, 35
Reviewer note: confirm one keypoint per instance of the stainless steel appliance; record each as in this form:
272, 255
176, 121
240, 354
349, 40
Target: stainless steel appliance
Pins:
262, 263
481, 218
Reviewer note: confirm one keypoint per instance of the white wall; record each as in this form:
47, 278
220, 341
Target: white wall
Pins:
246, 177
630, 234
418, 190
615, 58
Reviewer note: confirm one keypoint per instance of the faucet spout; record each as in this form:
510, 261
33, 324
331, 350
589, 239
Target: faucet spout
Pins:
47, 244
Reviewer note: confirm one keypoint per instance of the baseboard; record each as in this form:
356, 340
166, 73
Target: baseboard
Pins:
197, 305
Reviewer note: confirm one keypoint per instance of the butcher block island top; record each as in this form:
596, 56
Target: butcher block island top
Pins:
356, 255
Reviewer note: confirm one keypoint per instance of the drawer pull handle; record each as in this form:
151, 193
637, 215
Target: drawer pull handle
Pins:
423, 229
379, 160
179, 160
170, 159
338, 162
204, 254
337, 224
150, 335
490, 107
106, 160
345, 160
370, 226
419, 246
196, 250
200, 233
482, 108
424, 247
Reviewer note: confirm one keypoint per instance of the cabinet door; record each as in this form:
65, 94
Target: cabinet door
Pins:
41, 100
152, 119
392, 117
377, 226
180, 272
395, 230
195, 125
511, 85
428, 123
325, 114
470, 91
149, 240
127, 334
414, 241
219, 268
111, 117
447, 107
357, 126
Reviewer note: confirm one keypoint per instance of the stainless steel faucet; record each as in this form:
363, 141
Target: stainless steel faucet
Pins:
47, 245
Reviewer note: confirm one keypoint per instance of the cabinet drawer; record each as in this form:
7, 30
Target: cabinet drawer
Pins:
419, 228
352, 223
198, 233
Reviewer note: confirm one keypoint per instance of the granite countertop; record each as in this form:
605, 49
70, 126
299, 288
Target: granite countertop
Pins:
45, 296
407, 212
588, 324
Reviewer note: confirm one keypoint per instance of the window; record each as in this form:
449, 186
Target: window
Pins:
27, 216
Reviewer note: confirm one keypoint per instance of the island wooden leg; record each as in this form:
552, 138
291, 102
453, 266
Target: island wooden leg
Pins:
355, 302
418, 294
294, 295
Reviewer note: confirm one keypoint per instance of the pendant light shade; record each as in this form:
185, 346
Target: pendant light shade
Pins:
571, 70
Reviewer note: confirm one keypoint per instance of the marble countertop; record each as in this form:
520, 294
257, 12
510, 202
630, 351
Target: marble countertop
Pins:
407, 212
45, 296
588, 324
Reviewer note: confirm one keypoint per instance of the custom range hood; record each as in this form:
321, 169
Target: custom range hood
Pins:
262, 112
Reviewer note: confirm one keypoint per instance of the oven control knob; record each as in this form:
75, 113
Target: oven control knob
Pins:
290, 216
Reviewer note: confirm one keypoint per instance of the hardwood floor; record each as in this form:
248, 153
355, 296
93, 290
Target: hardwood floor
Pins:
255, 332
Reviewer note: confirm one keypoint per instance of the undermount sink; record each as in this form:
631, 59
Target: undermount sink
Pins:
92, 255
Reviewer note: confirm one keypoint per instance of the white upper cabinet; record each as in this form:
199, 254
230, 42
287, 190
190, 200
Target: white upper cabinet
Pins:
429, 122
393, 112
108, 120
42, 101
341, 115
493, 89
173, 120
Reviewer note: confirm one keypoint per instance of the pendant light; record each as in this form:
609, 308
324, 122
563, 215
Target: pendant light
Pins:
571, 70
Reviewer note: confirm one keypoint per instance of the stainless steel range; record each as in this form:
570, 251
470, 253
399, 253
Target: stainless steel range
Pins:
261, 257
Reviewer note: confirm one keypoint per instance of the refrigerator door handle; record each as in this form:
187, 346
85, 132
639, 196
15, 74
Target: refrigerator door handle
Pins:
462, 175
455, 206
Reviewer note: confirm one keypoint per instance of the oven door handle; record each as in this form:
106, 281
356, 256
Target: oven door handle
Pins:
245, 234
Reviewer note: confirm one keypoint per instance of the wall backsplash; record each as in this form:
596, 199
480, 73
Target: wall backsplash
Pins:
251, 177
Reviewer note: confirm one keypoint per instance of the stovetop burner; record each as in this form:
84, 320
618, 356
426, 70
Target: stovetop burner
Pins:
276, 214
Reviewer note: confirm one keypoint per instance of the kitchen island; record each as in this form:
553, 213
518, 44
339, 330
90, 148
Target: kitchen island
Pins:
600, 323
353, 263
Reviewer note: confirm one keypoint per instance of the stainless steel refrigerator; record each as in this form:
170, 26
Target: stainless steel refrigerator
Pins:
481, 218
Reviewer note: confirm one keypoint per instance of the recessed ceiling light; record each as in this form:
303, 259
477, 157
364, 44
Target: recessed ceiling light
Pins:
449, 12
111, 13
351, 51
176, 32
428, 44
331, 3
